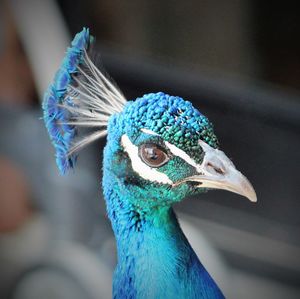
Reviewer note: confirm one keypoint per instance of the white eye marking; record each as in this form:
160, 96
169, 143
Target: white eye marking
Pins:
146, 172
147, 131
207, 149
183, 155
178, 152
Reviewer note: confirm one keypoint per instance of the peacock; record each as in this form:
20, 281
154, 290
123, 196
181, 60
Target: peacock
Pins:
159, 149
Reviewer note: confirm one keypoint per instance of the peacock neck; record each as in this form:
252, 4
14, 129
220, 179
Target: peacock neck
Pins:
134, 226
154, 256
141, 233
155, 260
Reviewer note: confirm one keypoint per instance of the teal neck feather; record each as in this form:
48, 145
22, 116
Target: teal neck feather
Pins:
155, 259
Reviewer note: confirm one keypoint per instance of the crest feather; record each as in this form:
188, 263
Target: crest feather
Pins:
79, 96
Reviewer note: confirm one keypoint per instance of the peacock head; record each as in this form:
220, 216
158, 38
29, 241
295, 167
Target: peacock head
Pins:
159, 147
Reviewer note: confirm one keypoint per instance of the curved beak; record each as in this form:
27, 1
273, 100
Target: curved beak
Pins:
218, 172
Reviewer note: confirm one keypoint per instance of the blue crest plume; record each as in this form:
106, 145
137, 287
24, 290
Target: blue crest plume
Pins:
80, 95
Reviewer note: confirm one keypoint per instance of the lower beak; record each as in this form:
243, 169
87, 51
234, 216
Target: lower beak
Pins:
218, 172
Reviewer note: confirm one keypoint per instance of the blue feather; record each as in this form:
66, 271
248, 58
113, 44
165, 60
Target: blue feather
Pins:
56, 116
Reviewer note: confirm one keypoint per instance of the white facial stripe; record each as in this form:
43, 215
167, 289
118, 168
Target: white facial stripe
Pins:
147, 131
181, 154
209, 151
146, 172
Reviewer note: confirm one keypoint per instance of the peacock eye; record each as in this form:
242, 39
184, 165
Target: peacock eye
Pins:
153, 155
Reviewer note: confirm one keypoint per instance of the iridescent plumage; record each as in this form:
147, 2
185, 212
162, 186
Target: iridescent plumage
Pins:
155, 260
80, 95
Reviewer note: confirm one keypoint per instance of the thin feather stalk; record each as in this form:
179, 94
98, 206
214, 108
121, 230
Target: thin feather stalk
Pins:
79, 96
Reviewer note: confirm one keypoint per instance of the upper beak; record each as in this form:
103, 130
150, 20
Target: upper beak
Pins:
218, 172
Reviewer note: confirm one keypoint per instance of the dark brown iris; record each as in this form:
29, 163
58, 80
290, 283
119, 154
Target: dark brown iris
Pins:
153, 155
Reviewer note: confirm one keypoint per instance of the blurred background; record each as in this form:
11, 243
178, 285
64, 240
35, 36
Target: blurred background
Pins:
237, 61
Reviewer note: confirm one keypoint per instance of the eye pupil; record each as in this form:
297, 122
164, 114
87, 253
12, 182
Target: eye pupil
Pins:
152, 155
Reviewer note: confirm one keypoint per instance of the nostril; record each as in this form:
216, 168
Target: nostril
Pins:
215, 168
219, 170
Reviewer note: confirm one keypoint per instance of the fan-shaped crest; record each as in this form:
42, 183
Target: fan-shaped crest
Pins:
79, 96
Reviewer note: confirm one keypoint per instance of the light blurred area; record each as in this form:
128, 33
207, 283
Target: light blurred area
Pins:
237, 61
